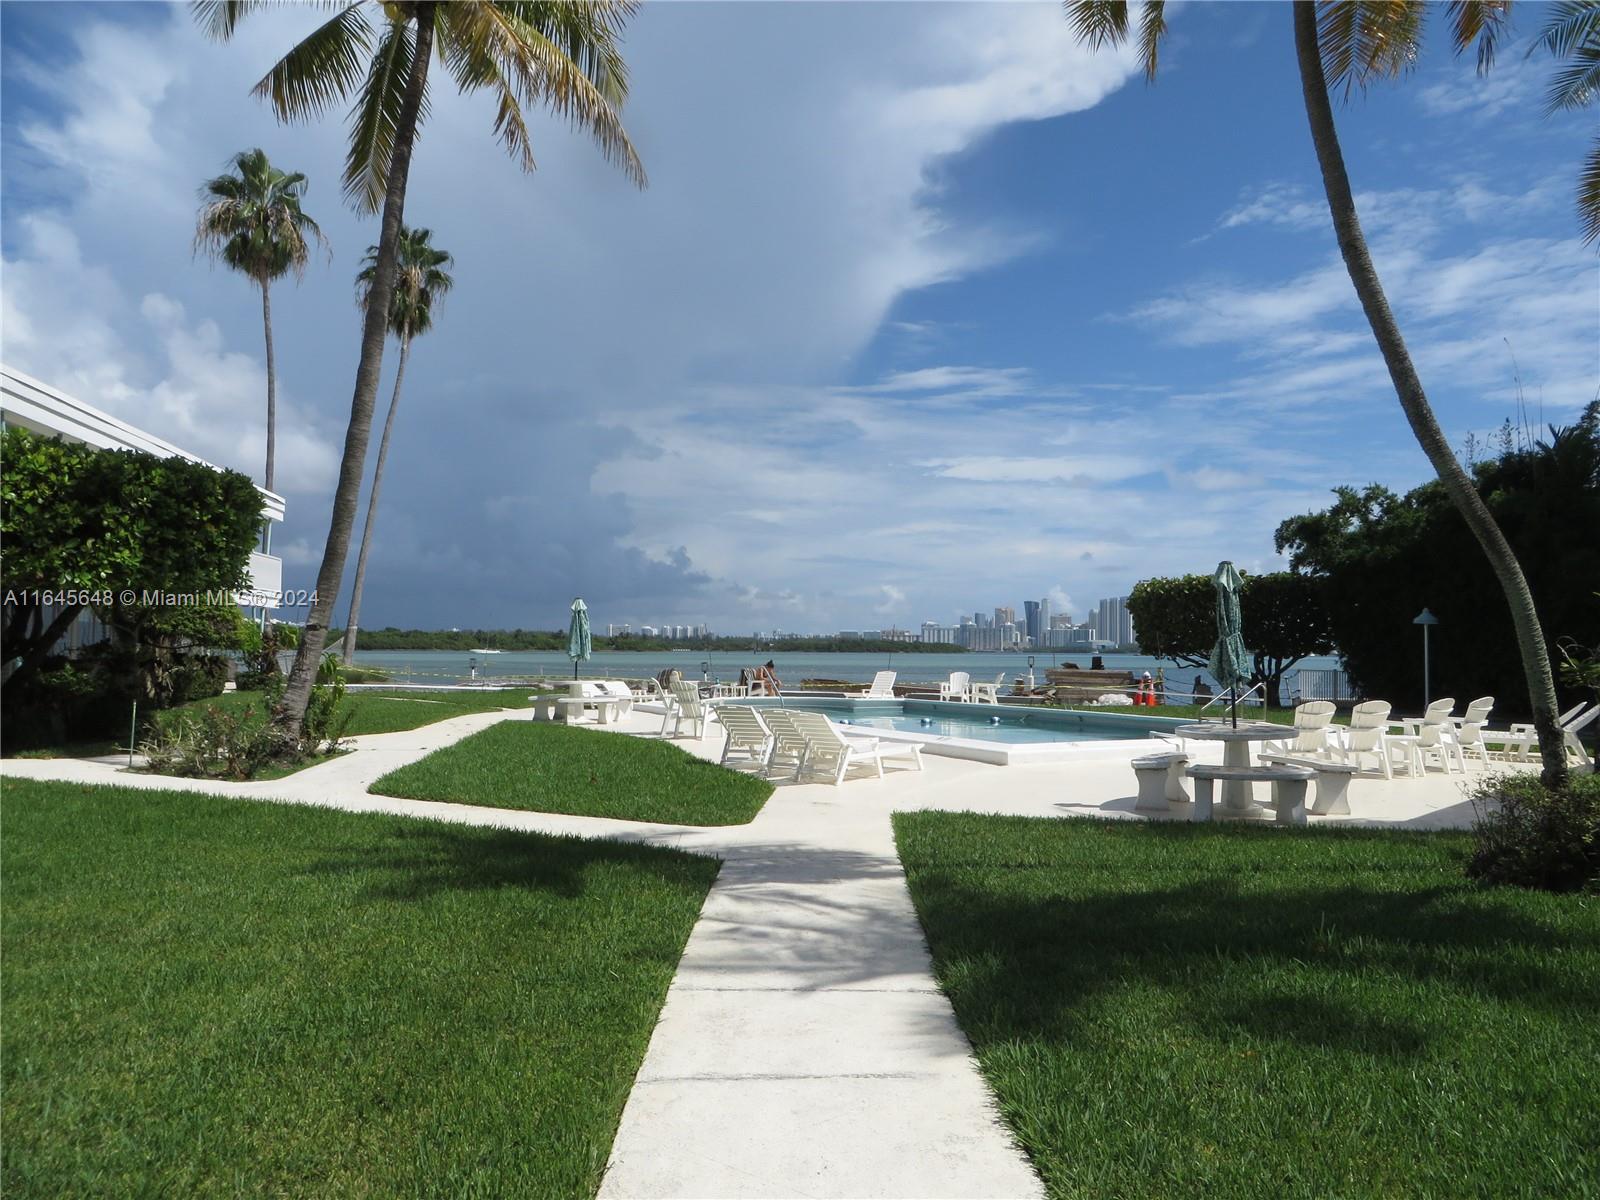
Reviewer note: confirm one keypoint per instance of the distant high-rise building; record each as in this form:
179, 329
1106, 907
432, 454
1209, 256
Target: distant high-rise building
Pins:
1037, 619
1113, 622
1005, 615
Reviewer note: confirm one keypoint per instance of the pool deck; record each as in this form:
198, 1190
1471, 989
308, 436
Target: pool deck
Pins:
804, 1048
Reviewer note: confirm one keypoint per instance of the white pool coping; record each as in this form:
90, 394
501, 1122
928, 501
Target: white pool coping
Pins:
1005, 753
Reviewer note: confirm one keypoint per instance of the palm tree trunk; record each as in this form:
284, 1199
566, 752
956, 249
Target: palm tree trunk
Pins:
372, 508
272, 384
1414, 401
347, 496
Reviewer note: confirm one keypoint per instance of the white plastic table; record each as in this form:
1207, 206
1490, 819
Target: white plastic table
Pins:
1237, 797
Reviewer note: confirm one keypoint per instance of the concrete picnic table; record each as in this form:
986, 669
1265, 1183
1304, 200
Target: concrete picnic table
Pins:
1237, 797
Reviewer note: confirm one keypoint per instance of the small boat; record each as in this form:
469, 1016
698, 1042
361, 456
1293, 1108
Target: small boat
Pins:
486, 652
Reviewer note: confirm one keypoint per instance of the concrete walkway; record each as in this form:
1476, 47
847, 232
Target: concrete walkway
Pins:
804, 1049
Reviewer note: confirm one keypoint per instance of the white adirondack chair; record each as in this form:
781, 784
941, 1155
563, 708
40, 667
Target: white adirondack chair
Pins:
1311, 721
1367, 733
957, 687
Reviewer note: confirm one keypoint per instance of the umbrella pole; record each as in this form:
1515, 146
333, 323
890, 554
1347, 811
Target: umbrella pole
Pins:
1233, 703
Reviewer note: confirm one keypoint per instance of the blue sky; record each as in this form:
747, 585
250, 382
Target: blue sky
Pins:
927, 309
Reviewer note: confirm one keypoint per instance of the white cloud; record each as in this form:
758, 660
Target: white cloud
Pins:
70, 323
894, 600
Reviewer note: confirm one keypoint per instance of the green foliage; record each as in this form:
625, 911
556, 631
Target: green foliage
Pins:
1284, 621
1382, 558
212, 742
108, 523
252, 220
422, 281
1536, 837
322, 728
1175, 617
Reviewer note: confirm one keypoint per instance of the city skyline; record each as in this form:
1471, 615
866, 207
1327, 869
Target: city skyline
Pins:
1106, 622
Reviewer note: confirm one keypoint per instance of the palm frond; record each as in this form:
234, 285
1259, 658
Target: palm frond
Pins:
322, 69
1574, 86
420, 281
559, 54
1572, 34
1098, 23
375, 117
1152, 28
1481, 21
252, 219
1363, 40
1572, 23
1589, 194
219, 18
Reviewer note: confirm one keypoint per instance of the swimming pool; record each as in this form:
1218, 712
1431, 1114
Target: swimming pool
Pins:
987, 732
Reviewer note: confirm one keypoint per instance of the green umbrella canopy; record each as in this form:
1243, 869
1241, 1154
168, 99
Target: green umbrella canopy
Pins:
1230, 661
579, 642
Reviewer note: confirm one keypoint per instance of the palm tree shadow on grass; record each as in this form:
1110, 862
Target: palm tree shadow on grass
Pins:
417, 863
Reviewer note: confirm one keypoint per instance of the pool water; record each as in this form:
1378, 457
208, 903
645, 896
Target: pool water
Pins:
1005, 723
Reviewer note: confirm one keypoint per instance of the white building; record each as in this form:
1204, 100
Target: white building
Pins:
30, 404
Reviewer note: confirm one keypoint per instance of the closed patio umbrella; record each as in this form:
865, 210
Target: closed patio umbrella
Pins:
579, 643
1229, 658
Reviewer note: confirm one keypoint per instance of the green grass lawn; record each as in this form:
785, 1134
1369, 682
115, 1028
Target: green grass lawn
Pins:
206, 997
554, 768
1179, 1010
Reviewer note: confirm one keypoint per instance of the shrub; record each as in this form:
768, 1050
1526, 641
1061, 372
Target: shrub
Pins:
198, 677
1535, 837
213, 743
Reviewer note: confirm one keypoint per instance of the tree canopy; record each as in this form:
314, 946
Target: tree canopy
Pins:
1382, 558
82, 527
1284, 621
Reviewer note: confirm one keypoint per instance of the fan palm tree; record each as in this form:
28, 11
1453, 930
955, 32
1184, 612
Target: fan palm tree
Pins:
1346, 43
253, 222
560, 53
421, 281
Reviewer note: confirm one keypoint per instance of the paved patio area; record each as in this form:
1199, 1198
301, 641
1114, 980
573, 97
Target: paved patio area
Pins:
804, 1048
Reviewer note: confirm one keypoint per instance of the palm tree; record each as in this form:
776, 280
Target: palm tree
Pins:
1340, 42
422, 279
561, 53
1573, 33
252, 220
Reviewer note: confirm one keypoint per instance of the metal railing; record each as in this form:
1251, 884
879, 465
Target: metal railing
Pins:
1242, 697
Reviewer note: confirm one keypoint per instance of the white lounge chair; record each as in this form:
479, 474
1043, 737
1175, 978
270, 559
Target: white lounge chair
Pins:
748, 735
788, 746
1523, 741
1311, 721
957, 687
1367, 733
988, 693
882, 686
834, 754
1516, 743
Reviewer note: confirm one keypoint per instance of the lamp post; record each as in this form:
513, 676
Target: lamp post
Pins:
1030, 673
705, 669
1426, 619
